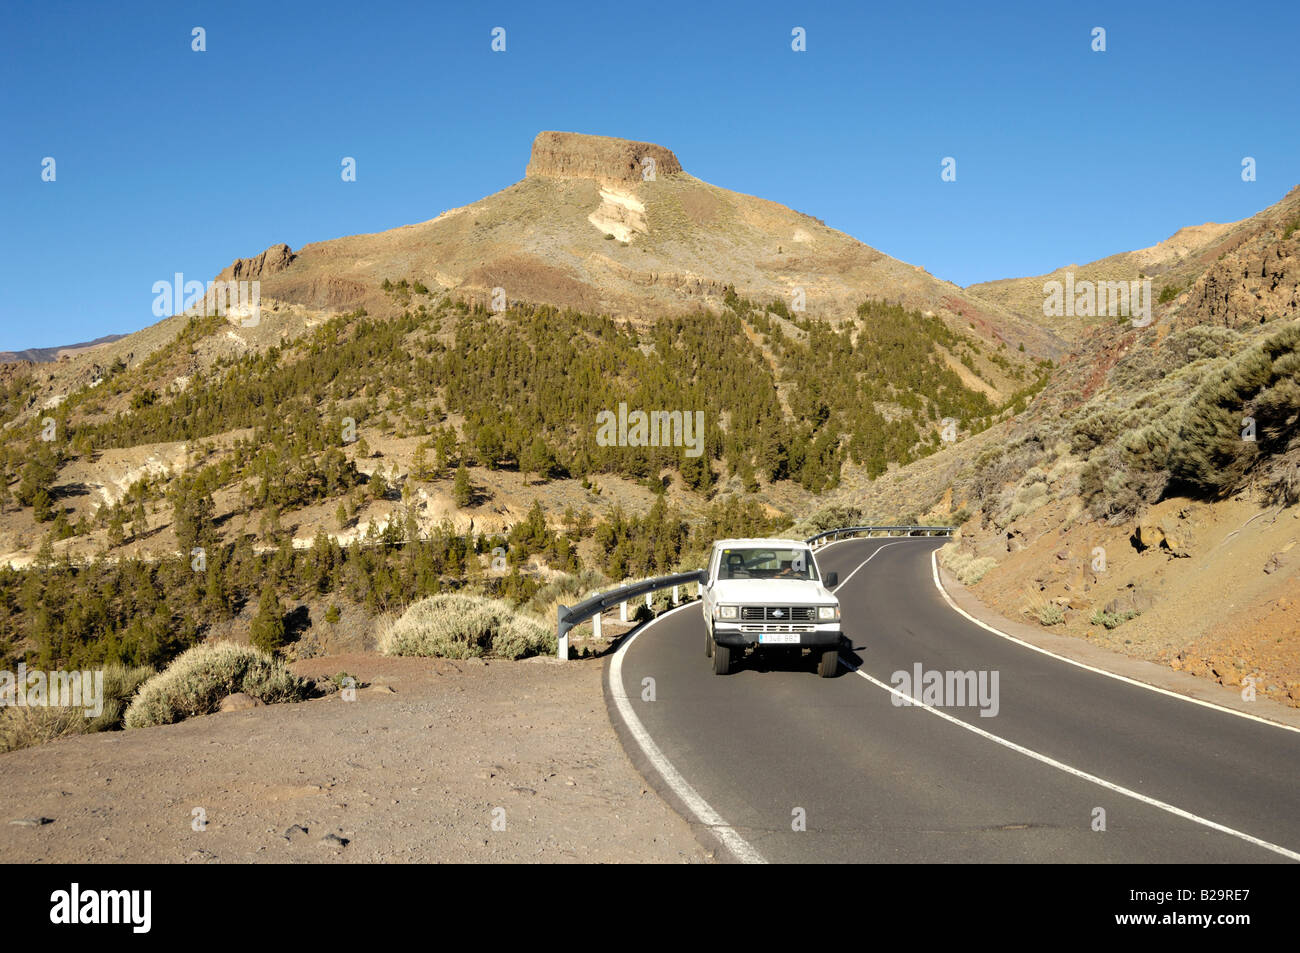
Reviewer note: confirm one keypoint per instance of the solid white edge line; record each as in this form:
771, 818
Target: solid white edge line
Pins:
703, 811
934, 566
1061, 766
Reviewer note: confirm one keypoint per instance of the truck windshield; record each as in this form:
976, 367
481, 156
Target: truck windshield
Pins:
766, 564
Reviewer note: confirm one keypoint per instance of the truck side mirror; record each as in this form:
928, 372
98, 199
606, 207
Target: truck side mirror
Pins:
832, 580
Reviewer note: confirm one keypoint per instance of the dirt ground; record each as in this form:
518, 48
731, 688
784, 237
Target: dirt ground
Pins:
417, 767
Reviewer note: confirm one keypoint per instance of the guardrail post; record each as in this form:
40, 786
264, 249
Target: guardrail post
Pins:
562, 628
595, 626
649, 604
622, 612
675, 595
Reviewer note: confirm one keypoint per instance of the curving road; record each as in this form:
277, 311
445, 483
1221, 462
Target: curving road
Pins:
740, 755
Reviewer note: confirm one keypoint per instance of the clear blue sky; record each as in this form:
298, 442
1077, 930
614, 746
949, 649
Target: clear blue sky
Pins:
170, 160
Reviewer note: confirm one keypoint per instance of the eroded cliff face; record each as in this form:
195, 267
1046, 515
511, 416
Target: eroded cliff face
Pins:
572, 155
1255, 282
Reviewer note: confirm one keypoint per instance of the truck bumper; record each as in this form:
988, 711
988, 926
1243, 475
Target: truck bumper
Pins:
824, 637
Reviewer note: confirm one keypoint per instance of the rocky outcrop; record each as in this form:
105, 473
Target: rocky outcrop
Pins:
572, 155
1258, 281
276, 258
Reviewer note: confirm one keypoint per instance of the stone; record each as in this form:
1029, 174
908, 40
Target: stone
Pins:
239, 701
1148, 536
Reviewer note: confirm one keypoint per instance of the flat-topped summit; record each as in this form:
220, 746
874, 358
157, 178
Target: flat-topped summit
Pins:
572, 155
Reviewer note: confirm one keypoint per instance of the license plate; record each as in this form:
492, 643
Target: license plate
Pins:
779, 638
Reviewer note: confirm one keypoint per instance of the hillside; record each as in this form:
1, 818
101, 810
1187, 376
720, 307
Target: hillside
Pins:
579, 231
384, 429
1146, 499
43, 355
1172, 265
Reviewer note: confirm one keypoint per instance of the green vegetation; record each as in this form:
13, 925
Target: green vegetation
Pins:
197, 681
1112, 620
1050, 614
518, 391
1169, 293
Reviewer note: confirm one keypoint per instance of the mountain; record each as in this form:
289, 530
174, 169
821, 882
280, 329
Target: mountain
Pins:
585, 230
1172, 266
44, 355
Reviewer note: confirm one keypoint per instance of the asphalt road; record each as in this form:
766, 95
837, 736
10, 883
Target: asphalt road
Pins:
751, 756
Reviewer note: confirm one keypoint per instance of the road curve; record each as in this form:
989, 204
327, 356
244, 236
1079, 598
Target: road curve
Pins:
751, 757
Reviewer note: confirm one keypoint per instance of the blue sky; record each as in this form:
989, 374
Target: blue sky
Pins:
172, 160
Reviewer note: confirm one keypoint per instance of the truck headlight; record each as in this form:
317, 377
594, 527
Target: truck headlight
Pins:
828, 613
727, 612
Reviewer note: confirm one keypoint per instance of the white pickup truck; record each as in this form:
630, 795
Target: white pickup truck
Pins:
769, 594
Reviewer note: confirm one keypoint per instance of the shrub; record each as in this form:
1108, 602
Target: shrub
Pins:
197, 681
1208, 451
967, 567
1050, 614
455, 625
1169, 293
1112, 620
24, 727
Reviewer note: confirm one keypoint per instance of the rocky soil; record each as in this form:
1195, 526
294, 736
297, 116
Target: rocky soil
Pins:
434, 761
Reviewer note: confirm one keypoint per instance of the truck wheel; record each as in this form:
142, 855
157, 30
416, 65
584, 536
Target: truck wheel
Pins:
721, 659
830, 663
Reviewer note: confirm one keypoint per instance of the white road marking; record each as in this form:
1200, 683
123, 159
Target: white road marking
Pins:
845, 581
1061, 766
703, 811
934, 566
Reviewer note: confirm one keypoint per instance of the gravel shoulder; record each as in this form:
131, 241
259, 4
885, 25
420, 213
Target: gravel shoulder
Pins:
416, 769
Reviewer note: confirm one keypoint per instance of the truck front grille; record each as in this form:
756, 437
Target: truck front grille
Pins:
778, 613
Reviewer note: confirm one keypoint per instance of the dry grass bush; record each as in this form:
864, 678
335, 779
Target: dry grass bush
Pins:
25, 727
459, 626
199, 678
966, 566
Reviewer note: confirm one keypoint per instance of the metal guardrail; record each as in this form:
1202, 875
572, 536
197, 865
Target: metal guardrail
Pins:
569, 616
887, 530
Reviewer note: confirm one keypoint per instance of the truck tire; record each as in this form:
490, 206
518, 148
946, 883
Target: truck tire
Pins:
829, 664
721, 659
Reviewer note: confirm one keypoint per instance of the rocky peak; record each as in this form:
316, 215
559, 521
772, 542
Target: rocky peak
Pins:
276, 258
572, 155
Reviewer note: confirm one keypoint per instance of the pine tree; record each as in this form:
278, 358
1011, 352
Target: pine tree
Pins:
461, 491
267, 631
